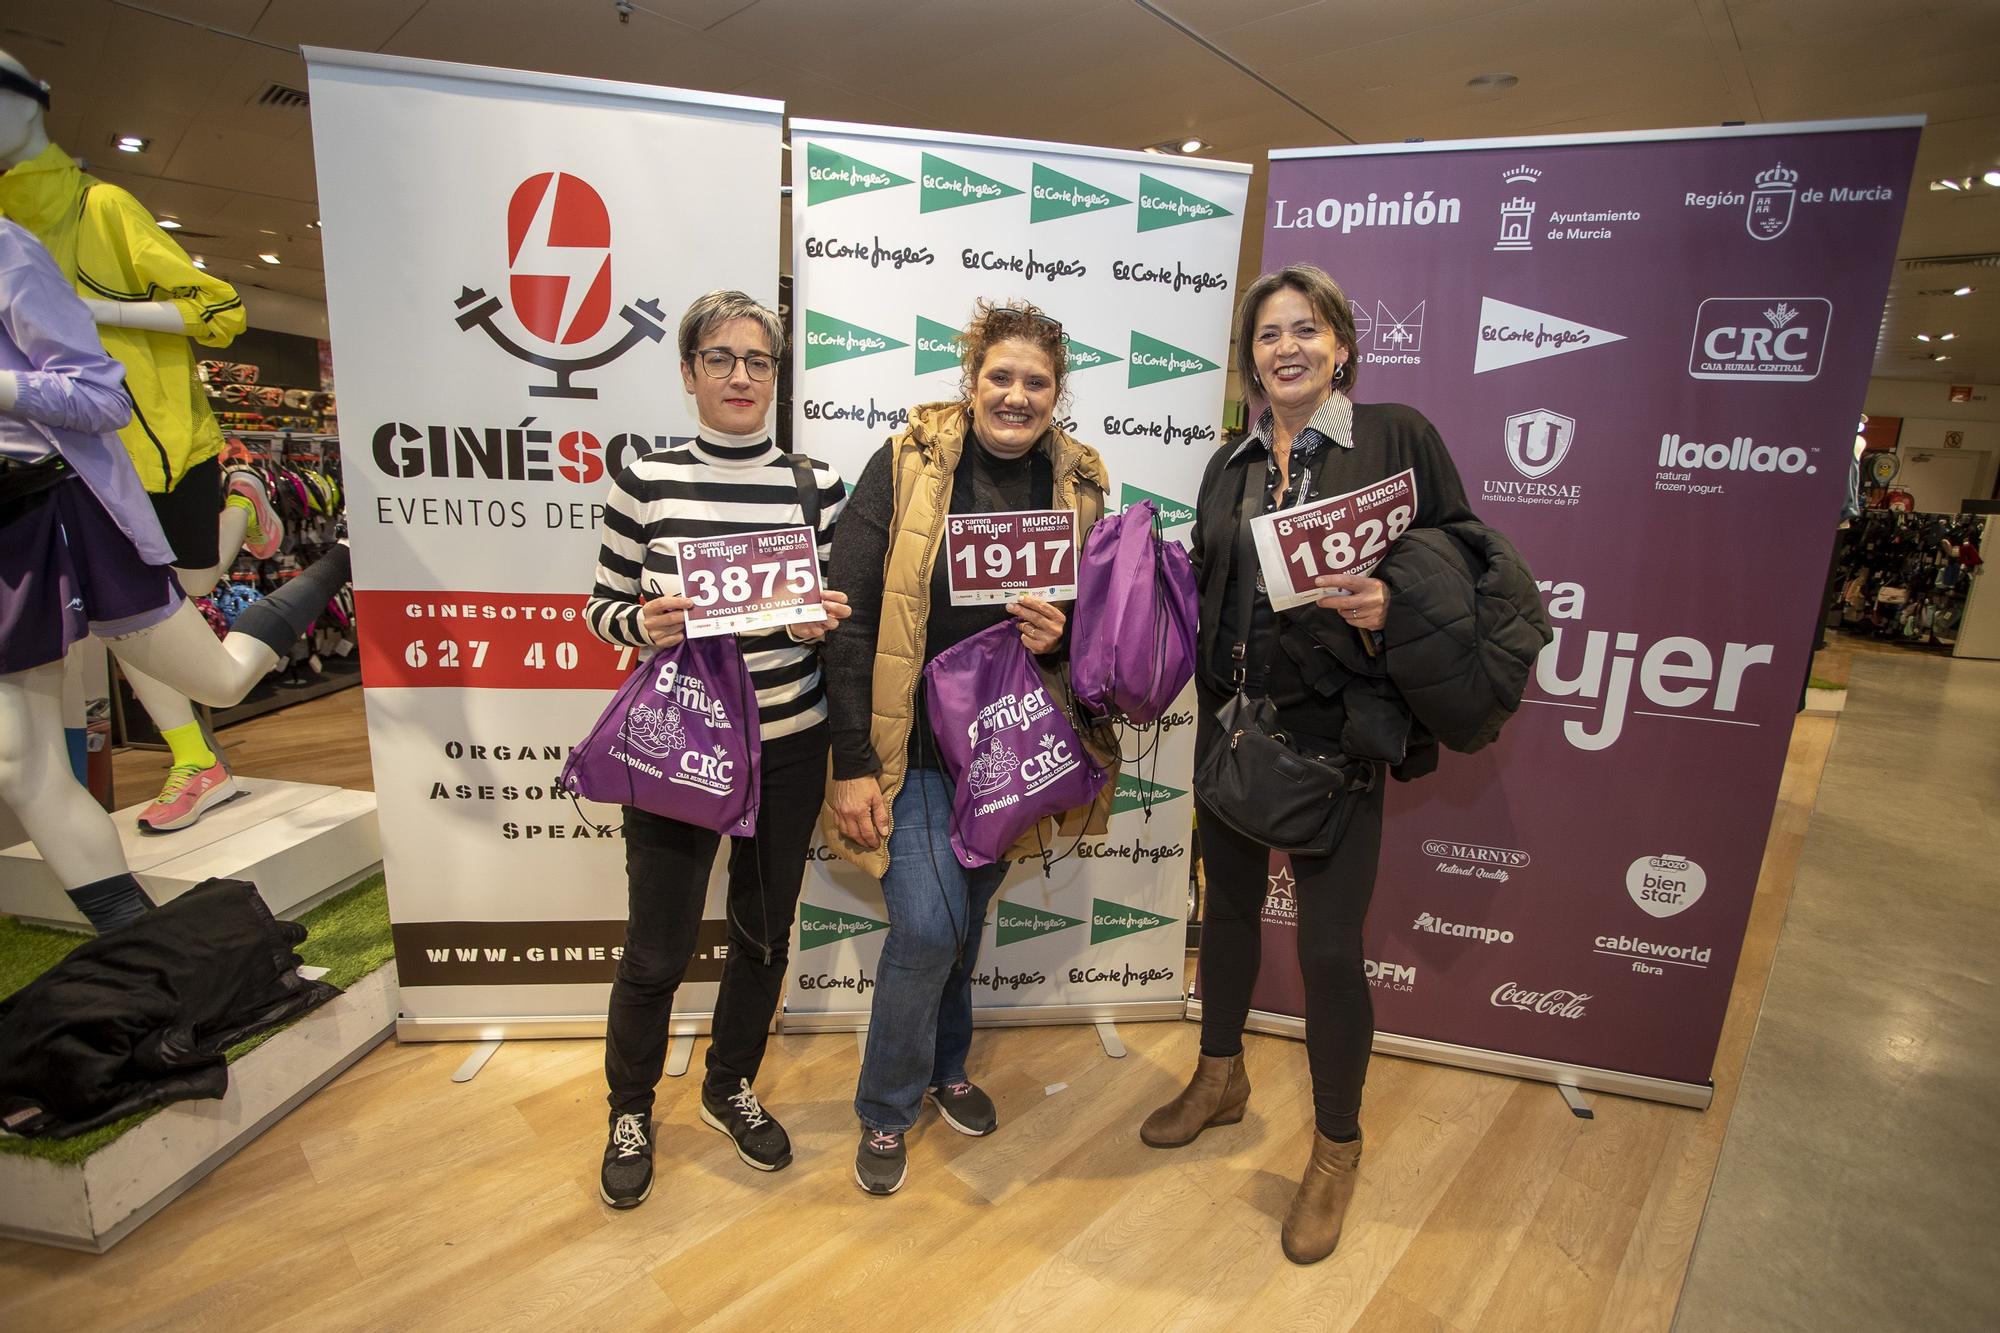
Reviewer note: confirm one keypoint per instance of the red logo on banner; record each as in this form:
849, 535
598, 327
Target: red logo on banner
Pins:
559, 257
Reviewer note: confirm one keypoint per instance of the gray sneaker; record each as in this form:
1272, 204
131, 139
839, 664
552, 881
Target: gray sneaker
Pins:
627, 1177
881, 1162
964, 1107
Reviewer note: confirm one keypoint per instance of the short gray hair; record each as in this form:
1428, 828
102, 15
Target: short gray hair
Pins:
718, 308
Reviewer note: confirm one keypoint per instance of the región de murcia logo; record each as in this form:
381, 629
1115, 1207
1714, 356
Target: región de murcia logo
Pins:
559, 281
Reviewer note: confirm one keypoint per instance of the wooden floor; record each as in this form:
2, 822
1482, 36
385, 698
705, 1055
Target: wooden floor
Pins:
398, 1199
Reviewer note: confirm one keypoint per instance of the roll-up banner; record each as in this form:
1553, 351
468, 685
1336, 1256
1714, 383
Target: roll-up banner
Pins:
507, 258
1647, 354
895, 233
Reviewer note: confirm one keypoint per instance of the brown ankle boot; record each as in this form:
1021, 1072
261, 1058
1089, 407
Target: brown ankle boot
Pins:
1312, 1225
1215, 1095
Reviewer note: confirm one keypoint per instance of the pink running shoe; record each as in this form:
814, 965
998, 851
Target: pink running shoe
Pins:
189, 794
266, 529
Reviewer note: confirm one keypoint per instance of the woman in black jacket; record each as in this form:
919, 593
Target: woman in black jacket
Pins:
1320, 665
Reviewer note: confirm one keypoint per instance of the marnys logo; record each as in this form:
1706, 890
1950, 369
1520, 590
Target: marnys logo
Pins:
829, 340
824, 925
1164, 205
1173, 513
1134, 793
559, 279
938, 346
1517, 215
1646, 955
1511, 334
1665, 885
1553, 1003
1473, 860
1055, 195
1771, 338
1109, 920
831, 175
1390, 976
1389, 339
1152, 361
948, 185
1281, 899
1014, 922
1538, 441
1484, 934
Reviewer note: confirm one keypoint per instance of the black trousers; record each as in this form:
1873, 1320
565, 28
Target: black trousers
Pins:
1333, 893
667, 865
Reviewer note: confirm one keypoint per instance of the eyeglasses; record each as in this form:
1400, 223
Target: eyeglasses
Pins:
719, 362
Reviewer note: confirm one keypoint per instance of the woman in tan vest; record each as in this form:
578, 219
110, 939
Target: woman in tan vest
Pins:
994, 449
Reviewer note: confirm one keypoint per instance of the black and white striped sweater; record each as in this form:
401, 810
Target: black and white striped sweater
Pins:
709, 489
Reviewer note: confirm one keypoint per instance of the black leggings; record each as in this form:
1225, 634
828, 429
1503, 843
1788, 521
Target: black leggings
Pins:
1333, 893
666, 870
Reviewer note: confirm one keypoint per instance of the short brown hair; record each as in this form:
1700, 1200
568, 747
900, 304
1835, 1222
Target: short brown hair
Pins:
992, 324
1327, 301
718, 308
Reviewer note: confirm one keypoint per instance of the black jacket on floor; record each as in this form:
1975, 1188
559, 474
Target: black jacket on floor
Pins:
142, 1016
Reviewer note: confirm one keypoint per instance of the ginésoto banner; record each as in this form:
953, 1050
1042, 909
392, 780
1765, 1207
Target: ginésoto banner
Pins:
1647, 354
895, 234
507, 258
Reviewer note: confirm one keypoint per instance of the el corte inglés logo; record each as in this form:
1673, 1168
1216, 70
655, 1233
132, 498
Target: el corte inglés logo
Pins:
831, 175
1172, 512
1014, 922
1109, 920
948, 185
829, 340
1056, 195
1133, 793
1152, 361
1082, 356
937, 346
824, 925
1164, 205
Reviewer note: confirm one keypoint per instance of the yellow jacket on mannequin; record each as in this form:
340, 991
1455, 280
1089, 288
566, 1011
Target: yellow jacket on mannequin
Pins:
107, 244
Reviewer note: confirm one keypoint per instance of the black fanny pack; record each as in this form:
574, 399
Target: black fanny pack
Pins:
21, 482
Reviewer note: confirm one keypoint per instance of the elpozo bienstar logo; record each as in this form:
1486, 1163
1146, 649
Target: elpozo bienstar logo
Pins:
1014, 922
1152, 361
829, 340
949, 185
831, 175
1510, 335
1773, 339
1109, 920
1665, 885
825, 925
559, 280
1054, 195
1164, 205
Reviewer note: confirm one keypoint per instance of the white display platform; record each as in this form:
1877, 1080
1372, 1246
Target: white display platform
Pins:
298, 842
94, 1205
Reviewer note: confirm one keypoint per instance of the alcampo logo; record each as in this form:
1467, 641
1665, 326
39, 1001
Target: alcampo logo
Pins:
1014, 922
1153, 361
938, 346
1109, 920
1164, 205
948, 185
1134, 793
1082, 356
829, 340
1058, 196
824, 925
831, 175
1172, 512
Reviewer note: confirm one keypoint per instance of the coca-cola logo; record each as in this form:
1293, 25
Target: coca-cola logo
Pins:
1553, 1003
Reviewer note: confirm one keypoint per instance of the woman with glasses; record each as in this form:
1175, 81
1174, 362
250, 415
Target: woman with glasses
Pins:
731, 478
993, 449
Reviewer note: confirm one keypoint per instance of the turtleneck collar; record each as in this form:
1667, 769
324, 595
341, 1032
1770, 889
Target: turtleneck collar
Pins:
723, 449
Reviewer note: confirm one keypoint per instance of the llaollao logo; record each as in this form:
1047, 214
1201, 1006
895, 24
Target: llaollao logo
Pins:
559, 282
1665, 885
826, 925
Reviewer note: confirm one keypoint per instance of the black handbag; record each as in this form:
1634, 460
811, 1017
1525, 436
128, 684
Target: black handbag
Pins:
1290, 793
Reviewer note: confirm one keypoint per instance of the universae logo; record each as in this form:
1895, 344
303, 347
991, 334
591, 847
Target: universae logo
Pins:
559, 281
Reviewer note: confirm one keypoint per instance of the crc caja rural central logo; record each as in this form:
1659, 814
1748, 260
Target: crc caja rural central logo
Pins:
559, 282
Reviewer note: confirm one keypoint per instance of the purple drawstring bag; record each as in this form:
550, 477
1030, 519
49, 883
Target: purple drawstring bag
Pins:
1132, 643
679, 739
1011, 754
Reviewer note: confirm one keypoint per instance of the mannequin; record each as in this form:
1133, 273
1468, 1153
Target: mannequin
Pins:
107, 244
82, 551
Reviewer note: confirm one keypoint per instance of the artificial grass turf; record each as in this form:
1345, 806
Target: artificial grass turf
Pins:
348, 935
1817, 683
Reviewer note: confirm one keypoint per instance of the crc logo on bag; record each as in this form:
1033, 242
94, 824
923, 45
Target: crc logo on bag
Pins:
1775, 338
559, 283
1665, 885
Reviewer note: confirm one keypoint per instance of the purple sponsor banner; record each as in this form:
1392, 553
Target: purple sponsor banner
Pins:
1647, 358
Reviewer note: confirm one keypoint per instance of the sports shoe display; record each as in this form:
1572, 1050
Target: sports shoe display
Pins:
627, 1177
760, 1141
964, 1107
881, 1162
190, 793
266, 530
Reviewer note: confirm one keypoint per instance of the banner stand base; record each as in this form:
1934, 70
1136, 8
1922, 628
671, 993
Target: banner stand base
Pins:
526, 1027
476, 1061
1566, 1077
1573, 1098
1040, 1015
1107, 1035
680, 1052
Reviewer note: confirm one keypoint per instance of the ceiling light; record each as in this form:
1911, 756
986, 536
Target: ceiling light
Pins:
1494, 82
129, 143
1192, 145
1946, 183
1939, 356
1923, 337
1152, 148
1946, 337
1992, 178
268, 258
200, 263
1963, 291
315, 224
168, 224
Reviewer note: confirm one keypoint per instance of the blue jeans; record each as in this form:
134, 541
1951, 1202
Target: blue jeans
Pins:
920, 1028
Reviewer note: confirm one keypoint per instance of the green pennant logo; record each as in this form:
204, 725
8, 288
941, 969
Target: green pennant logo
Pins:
1060, 196
1109, 920
1164, 205
831, 175
823, 925
1082, 356
1172, 514
1014, 922
1152, 361
1134, 793
829, 340
948, 185
938, 347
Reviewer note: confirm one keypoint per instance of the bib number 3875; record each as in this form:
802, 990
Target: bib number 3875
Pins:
750, 581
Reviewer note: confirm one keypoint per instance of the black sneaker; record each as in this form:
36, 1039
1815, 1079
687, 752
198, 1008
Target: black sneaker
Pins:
965, 1108
627, 1177
881, 1162
760, 1141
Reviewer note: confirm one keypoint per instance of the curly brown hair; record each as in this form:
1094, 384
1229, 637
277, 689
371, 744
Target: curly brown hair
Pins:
994, 324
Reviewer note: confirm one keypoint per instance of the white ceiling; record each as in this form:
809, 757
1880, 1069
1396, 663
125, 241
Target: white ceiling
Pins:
1247, 75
